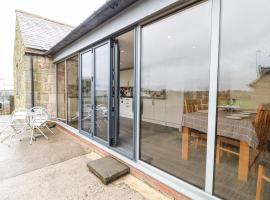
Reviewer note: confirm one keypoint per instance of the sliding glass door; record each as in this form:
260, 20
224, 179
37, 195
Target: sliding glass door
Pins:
175, 66
67, 91
243, 113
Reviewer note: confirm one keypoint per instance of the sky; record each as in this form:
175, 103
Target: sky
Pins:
68, 12
182, 55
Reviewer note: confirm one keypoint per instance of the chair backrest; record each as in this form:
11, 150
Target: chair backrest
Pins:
19, 114
262, 125
38, 115
191, 105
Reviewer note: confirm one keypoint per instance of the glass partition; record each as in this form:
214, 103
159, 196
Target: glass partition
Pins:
174, 93
243, 113
102, 83
123, 98
72, 92
61, 97
86, 93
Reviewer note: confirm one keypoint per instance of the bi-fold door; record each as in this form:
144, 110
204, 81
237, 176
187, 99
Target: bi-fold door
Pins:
101, 117
95, 92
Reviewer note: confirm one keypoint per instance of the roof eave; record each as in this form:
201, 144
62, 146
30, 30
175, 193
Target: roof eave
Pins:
104, 13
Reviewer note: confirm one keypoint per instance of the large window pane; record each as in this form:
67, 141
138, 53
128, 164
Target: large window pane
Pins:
243, 123
102, 67
72, 91
87, 70
61, 98
174, 93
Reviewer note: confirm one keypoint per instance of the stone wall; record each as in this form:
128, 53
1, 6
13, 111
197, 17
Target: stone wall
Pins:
21, 73
44, 77
45, 83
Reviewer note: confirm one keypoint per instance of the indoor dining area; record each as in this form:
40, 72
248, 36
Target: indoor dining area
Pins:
175, 111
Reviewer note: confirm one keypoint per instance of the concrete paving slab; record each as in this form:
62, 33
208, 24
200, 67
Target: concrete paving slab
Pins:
67, 180
108, 169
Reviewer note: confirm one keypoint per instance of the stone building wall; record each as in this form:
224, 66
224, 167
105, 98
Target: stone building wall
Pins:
45, 83
21, 72
43, 73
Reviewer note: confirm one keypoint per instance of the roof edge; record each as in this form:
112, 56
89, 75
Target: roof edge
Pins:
41, 17
109, 9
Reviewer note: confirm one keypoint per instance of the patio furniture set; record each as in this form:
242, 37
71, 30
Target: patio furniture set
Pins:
27, 120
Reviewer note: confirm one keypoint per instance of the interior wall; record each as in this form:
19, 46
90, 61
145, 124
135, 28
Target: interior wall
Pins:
126, 79
154, 109
167, 112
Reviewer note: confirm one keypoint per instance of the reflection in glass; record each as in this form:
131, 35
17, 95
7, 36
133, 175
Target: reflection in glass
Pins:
101, 90
243, 123
61, 99
72, 91
87, 66
126, 78
174, 93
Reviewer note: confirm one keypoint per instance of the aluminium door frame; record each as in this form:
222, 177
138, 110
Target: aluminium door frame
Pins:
213, 95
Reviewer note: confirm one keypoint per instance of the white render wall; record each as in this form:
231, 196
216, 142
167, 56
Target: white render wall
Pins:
133, 14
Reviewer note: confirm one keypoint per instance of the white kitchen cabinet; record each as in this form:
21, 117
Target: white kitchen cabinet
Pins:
166, 112
159, 110
148, 109
125, 105
174, 108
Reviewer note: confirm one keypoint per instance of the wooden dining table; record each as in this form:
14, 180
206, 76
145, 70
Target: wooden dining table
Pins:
241, 130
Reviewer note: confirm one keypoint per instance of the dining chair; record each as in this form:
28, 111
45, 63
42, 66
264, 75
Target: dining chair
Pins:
262, 129
193, 105
38, 117
17, 122
260, 182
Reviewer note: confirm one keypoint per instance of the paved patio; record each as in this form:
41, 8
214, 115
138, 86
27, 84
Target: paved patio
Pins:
56, 169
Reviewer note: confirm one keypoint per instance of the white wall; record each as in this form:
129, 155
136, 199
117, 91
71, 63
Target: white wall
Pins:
133, 14
126, 78
167, 112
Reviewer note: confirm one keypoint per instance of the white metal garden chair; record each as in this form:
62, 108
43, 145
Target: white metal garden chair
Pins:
17, 122
38, 118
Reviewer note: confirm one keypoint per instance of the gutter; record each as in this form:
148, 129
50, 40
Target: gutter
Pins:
32, 82
104, 13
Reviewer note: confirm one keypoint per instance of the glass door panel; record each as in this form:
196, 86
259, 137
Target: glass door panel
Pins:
243, 114
174, 93
102, 87
123, 53
61, 97
72, 92
87, 91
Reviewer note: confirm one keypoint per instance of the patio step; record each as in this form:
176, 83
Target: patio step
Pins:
108, 169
